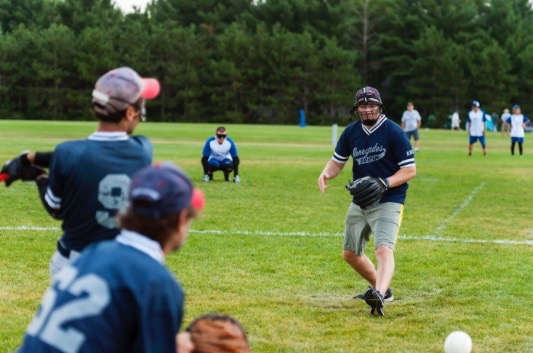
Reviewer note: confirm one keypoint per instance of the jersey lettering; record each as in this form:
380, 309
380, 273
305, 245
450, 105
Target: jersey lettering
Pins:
113, 195
51, 323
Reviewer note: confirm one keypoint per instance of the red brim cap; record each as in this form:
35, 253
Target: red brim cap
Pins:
198, 199
151, 88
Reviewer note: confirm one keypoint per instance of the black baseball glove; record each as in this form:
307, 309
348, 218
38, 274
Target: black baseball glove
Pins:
20, 168
367, 191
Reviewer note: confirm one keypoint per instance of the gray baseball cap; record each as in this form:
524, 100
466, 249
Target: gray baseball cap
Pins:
120, 88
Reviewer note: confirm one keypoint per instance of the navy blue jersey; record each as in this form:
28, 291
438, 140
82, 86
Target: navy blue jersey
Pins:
89, 180
379, 151
116, 297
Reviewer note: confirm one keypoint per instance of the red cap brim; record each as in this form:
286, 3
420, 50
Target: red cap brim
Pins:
151, 88
198, 199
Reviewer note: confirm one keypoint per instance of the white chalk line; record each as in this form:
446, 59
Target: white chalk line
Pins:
442, 226
309, 234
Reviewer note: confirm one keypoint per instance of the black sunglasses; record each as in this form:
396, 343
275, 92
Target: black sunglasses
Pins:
220, 136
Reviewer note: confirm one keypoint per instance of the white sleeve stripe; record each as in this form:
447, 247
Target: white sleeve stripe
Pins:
52, 200
408, 165
341, 161
407, 161
338, 157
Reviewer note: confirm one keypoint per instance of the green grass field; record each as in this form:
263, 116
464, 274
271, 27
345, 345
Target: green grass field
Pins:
267, 250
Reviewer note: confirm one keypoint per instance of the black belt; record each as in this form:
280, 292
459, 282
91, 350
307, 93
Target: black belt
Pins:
61, 249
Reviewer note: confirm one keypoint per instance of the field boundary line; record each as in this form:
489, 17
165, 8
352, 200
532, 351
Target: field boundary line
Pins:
428, 238
442, 226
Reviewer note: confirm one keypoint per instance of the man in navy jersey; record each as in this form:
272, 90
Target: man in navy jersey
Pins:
220, 153
88, 179
379, 148
118, 296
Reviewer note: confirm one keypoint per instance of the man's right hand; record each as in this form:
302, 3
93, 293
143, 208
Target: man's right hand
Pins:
323, 182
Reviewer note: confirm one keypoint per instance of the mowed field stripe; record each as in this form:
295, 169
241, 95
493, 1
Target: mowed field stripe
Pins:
430, 238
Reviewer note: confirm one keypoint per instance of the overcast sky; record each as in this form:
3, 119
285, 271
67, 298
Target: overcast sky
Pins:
126, 5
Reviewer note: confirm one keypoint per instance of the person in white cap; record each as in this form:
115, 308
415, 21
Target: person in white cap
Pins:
476, 126
88, 179
517, 122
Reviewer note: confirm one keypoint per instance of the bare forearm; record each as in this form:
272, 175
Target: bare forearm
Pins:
402, 176
331, 170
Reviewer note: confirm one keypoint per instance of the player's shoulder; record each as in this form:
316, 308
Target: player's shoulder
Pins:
210, 139
141, 139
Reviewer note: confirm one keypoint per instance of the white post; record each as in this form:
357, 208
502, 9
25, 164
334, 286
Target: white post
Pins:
334, 134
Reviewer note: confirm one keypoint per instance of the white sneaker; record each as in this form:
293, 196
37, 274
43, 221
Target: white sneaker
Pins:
206, 178
236, 179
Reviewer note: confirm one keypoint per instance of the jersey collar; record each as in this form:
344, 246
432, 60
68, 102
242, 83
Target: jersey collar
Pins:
141, 243
376, 126
108, 136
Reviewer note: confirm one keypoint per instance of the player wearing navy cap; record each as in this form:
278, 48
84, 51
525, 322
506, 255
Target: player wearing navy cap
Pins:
118, 296
88, 179
379, 148
517, 121
476, 125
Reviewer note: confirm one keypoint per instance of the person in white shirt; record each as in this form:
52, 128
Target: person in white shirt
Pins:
504, 117
456, 121
411, 121
476, 121
517, 122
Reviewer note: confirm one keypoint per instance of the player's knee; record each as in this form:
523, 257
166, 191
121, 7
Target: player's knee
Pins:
383, 250
350, 256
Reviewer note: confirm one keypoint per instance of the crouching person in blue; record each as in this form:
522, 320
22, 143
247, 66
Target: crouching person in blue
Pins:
118, 296
220, 153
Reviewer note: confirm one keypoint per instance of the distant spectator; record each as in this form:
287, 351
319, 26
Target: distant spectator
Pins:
488, 122
411, 122
456, 121
517, 122
476, 122
504, 128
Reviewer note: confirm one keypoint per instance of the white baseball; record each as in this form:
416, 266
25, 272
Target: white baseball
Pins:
458, 342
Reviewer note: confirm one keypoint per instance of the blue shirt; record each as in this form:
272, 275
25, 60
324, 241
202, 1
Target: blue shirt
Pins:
377, 151
89, 180
116, 297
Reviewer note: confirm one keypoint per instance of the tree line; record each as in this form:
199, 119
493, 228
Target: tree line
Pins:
244, 61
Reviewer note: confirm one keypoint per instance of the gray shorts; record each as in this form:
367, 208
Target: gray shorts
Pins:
383, 220
413, 133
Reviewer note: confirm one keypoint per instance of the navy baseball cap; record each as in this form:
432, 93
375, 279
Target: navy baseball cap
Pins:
367, 95
475, 104
120, 88
516, 106
162, 190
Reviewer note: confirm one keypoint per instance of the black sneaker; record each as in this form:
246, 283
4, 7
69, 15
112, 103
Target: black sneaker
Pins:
374, 299
388, 297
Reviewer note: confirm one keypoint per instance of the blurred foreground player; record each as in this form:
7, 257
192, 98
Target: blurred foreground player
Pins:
88, 179
118, 296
